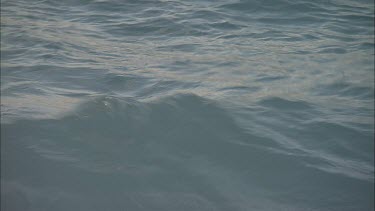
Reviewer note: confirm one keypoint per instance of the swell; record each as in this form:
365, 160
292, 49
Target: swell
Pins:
135, 142
182, 144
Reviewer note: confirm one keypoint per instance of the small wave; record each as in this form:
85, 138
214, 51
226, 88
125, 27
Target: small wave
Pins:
284, 104
343, 89
265, 78
240, 89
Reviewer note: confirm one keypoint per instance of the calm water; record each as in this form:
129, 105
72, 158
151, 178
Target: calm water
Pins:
171, 105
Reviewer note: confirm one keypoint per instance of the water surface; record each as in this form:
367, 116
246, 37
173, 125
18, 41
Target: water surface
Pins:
187, 105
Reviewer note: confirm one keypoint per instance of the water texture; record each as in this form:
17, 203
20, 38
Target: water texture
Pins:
187, 105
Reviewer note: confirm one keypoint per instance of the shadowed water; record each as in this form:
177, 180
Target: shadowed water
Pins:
173, 105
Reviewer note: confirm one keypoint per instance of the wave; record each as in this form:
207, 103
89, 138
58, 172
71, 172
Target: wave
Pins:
188, 140
343, 89
174, 105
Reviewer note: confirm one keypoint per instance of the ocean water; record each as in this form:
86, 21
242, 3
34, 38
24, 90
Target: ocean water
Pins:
172, 105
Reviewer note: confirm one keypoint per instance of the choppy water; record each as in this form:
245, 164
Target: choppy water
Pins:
187, 105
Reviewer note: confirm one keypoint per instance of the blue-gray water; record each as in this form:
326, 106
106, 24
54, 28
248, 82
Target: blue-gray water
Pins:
171, 105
